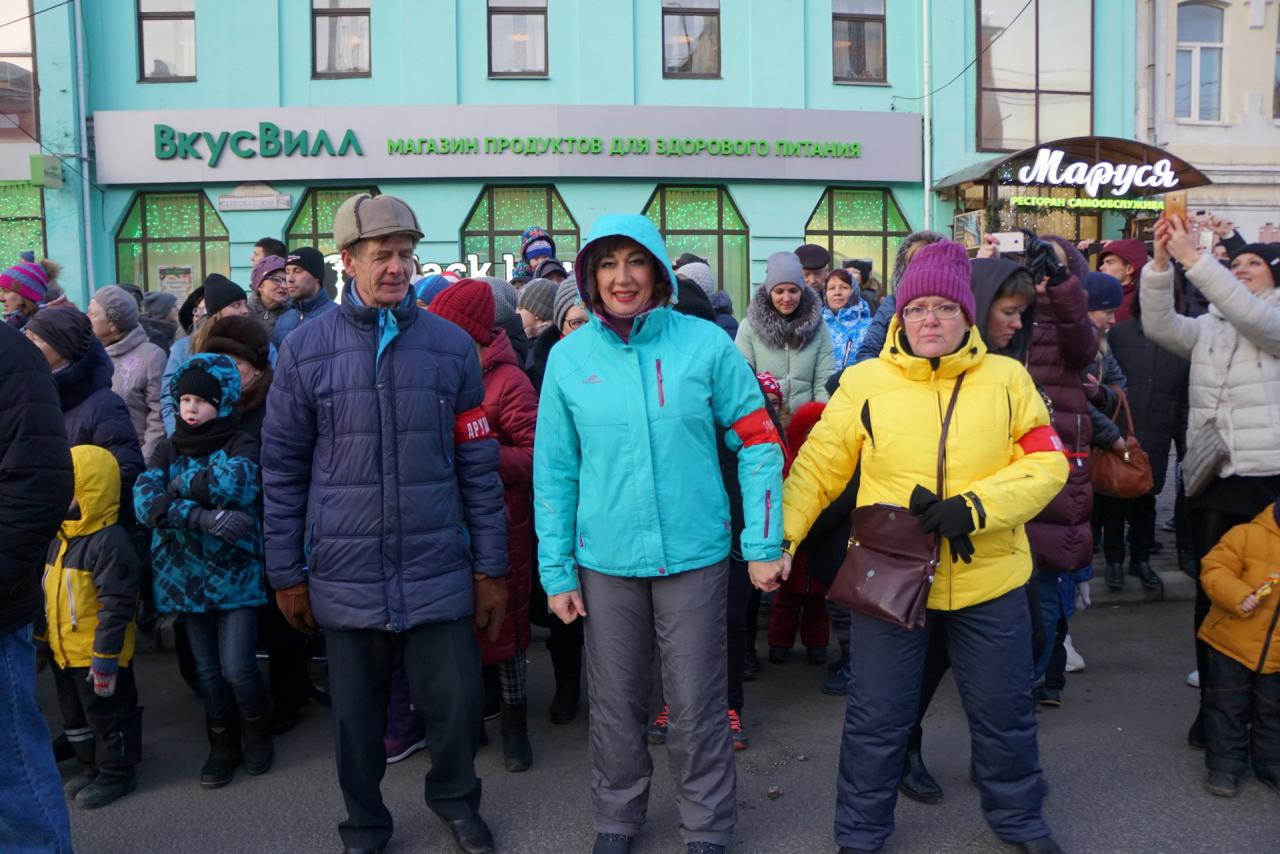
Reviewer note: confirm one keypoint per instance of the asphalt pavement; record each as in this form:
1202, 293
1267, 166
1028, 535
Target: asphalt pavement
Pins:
1121, 776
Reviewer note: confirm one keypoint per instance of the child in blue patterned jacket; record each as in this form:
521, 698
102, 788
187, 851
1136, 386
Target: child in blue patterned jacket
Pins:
200, 496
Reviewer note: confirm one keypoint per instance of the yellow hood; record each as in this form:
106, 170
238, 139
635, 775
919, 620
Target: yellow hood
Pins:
97, 491
971, 352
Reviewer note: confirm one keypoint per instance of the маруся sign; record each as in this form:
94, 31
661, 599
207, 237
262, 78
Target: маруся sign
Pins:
307, 144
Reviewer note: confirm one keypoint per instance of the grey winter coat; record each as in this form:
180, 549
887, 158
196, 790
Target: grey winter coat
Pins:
796, 349
139, 370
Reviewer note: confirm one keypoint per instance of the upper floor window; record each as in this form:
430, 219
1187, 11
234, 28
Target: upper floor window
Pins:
166, 41
857, 41
690, 38
17, 72
517, 38
1035, 74
1197, 94
340, 38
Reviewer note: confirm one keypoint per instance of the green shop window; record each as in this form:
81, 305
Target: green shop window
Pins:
861, 223
21, 221
313, 223
170, 242
704, 221
501, 214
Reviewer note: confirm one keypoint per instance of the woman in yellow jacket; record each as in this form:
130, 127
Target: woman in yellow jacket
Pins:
1004, 463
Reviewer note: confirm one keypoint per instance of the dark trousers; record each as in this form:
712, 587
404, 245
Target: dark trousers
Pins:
286, 659
442, 661
804, 611
1115, 514
989, 646
736, 629
224, 645
839, 618
1207, 527
1241, 718
115, 721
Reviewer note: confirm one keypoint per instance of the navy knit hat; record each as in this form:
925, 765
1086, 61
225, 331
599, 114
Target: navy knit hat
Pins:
220, 292
1105, 292
1269, 253
309, 259
199, 382
536, 242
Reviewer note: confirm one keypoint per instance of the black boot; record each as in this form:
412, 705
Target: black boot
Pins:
224, 752
917, 783
1115, 576
62, 749
566, 660
1146, 574
517, 754
258, 749
105, 789
492, 691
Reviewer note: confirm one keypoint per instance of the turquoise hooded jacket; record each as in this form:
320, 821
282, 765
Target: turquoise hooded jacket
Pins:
626, 477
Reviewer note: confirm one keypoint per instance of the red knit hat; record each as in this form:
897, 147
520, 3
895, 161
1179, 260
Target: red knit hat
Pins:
1132, 252
468, 305
938, 270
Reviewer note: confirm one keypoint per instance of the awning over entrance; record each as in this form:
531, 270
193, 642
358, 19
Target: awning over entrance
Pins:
1090, 150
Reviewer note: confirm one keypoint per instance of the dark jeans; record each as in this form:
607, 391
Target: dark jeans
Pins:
736, 629
115, 721
442, 662
1241, 718
1139, 514
989, 645
224, 645
287, 659
1053, 620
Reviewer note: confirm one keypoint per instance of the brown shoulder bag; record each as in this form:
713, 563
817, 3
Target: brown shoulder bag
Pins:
888, 571
1127, 473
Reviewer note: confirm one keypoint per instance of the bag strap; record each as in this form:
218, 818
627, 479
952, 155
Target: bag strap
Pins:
1122, 404
946, 426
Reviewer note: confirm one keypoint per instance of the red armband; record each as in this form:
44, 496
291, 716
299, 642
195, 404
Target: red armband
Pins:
757, 428
1040, 440
471, 426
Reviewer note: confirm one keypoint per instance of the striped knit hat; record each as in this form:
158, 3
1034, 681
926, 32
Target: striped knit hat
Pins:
29, 281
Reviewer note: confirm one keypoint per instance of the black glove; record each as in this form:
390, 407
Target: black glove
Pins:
227, 525
961, 549
921, 500
950, 518
1043, 262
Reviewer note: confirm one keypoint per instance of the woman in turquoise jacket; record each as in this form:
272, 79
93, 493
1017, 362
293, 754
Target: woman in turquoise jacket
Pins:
633, 524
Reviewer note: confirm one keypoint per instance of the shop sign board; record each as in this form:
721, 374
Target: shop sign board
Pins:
270, 202
471, 141
1092, 177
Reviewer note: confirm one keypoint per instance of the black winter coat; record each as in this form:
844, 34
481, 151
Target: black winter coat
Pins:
1157, 392
35, 477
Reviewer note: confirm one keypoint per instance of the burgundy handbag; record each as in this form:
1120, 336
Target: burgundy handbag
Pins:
888, 571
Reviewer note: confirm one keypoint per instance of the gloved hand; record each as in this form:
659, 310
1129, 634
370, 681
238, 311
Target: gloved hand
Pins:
1043, 262
925, 504
103, 673
961, 548
1083, 598
295, 604
491, 604
951, 518
921, 500
227, 525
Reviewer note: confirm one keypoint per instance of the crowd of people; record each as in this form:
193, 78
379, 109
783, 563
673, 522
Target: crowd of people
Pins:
417, 470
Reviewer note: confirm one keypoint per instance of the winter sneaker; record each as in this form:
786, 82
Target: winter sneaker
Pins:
612, 843
1051, 697
1115, 576
82, 780
658, 730
837, 682
779, 654
105, 789
1075, 661
401, 749
816, 655
1222, 784
1146, 575
1193, 678
736, 733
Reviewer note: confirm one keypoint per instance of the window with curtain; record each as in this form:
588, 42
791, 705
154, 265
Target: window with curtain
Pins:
501, 214
18, 117
690, 38
21, 221
312, 225
1035, 72
857, 41
170, 242
859, 223
1197, 94
705, 222
166, 41
517, 38
340, 38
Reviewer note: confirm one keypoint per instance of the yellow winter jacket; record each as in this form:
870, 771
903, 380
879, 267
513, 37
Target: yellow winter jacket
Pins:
887, 415
92, 574
1243, 559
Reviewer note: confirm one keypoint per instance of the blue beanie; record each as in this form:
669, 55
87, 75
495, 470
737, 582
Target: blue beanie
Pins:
429, 287
1105, 292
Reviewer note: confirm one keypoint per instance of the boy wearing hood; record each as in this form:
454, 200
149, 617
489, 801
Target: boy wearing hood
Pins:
91, 580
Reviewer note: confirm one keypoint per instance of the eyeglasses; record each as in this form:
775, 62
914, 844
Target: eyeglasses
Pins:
278, 278
576, 323
917, 313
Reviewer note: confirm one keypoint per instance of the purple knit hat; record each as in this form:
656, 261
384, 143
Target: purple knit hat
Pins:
26, 280
938, 270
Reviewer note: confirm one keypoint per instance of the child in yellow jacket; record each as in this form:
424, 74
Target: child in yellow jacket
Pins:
91, 580
1241, 576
